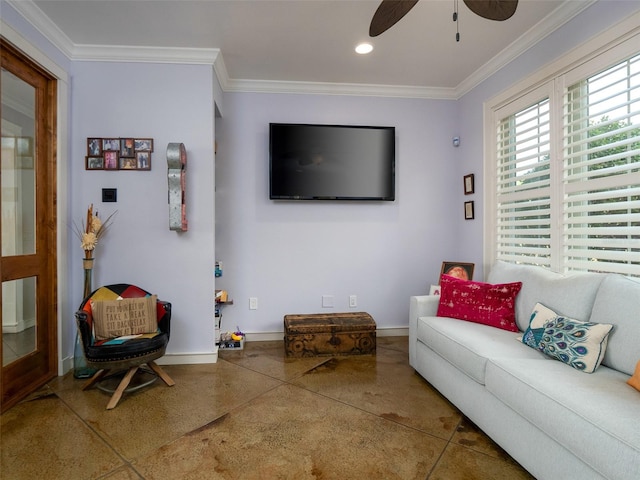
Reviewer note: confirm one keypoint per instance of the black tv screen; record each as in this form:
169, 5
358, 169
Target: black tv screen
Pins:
331, 162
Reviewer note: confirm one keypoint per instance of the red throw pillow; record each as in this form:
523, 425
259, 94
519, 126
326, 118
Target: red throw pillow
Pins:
479, 302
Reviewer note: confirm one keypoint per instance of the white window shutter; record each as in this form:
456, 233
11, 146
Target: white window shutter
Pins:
601, 224
523, 194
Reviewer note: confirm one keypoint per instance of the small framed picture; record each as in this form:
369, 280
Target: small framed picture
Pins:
111, 160
461, 270
126, 147
94, 163
111, 144
94, 147
143, 160
469, 186
144, 144
128, 163
468, 211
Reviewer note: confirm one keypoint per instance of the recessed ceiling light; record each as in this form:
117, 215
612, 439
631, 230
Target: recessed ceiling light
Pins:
364, 48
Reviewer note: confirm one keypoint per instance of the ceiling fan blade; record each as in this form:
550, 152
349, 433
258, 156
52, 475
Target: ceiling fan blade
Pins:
388, 14
493, 9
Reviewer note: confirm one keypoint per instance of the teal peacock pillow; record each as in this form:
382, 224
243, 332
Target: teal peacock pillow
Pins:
579, 344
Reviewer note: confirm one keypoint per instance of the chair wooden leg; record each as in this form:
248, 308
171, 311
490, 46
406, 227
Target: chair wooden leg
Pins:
161, 373
121, 388
95, 379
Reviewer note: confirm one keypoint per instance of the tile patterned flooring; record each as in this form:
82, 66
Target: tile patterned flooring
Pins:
255, 415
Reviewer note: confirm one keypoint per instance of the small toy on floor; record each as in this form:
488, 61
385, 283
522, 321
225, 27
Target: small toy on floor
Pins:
232, 340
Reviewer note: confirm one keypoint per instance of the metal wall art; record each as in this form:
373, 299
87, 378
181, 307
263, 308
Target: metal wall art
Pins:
176, 173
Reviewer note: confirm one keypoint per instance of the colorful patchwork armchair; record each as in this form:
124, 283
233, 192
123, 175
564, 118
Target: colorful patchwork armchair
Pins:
117, 355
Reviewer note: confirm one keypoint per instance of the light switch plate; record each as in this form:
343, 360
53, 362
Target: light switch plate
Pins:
109, 195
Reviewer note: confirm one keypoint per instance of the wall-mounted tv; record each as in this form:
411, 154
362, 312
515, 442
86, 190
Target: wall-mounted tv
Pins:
331, 162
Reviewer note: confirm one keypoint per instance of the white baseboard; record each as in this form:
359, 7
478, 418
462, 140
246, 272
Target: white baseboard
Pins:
271, 336
188, 358
212, 357
393, 332
67, 365
168, 359
20, 326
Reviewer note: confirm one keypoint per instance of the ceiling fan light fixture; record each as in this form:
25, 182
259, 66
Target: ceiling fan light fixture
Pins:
364, 48
389, 12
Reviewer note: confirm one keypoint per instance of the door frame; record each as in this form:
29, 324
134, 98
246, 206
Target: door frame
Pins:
65, 322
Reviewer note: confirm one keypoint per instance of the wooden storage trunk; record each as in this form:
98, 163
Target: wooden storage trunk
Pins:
329, 334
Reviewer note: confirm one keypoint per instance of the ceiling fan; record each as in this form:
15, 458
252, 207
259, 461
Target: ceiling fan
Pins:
391, 11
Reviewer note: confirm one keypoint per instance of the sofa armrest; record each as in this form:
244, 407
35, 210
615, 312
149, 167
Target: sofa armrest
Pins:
424, 306
420, 306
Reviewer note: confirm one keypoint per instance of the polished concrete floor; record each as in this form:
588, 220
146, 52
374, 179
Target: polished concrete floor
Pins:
255, 415
16, 345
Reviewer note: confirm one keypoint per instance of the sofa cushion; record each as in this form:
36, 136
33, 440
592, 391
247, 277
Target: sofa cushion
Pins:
479, 302
579, 344
593, 416
468, 345
570, 295
618, 302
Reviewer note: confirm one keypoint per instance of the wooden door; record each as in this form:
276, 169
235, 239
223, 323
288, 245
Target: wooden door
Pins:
27, 226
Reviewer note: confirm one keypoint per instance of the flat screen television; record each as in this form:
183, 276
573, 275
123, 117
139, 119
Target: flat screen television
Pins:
331, 162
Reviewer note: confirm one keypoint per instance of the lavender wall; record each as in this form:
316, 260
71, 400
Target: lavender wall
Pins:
288, 254
169, 103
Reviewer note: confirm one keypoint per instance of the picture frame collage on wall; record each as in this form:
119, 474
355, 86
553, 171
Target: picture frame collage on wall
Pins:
122, 153
469, 188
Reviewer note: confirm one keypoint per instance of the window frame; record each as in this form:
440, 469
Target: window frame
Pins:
600, 53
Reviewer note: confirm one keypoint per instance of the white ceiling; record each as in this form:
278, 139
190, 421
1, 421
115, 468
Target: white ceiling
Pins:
288, 41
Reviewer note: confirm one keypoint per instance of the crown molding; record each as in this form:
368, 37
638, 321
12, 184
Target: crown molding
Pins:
108, 53
561, 15
43, 24
213, 56
220, 69
354, 89
124, 53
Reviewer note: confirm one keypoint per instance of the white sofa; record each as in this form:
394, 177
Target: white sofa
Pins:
556, 421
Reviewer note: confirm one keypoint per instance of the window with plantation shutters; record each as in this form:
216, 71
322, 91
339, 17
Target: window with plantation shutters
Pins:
564, 162
523, 228
601, 224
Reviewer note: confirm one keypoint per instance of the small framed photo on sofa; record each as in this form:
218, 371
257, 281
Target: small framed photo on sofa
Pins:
463, 271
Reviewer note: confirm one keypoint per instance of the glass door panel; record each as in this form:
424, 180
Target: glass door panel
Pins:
27, 225
18, 211
18, 172
19, 336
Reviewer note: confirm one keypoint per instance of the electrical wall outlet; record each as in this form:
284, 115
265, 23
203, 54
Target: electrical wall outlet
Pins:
353, 301
253, 303
327, 301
